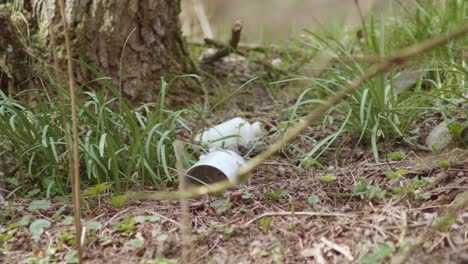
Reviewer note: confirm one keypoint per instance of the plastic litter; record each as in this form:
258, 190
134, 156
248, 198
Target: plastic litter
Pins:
216, 166
236, 131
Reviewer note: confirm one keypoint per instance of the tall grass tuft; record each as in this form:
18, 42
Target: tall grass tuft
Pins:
380, 109
118, 144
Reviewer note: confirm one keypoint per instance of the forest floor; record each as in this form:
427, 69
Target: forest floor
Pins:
343, 212
349, 208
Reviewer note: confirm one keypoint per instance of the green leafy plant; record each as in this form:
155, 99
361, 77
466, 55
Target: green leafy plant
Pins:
459, 131
93, 226
97, 189
443, 163
370, 191
221, 206
396, 155
6, 235
414, 189
313, 199
38, 227
276, 195
265, 223
327, 178
119, 201
382, 253
247, 196
444, 223
39, 205
395, 174
127, 226
68, 238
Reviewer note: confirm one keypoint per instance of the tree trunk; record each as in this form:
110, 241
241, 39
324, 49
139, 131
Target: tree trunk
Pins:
154, 50
14, 60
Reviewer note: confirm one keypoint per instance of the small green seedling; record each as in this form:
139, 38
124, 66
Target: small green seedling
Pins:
221, 206
119, 201
104, 241
313, 199
328, 178
409, 189
97, 190
136, 243
368, 190
7, 235
93, 226
459, 131
38, 205
278, 194
383, 252
67, 238
247, 196
127, 226
71, 258
395, 174
396, 155
265, 222
228, 230
38, 227
152, 218
444, 164
68, 220
444, 223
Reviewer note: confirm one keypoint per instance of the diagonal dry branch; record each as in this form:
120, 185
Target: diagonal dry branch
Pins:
381, 66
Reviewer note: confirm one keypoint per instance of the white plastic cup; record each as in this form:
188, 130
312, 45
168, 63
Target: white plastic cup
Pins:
216, 166
233, 132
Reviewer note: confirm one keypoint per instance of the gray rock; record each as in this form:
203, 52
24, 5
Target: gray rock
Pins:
440, 138
407, 77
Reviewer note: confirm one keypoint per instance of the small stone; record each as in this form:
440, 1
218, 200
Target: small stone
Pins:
440, 138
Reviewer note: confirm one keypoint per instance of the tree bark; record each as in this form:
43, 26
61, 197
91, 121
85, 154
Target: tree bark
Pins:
13, 55
154, 50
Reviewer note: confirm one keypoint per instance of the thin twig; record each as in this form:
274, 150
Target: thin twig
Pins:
208, 252
118, 214
186, 229
363, 20
76, 162
296, 214
243, 174
226, 49
2, 179
163, 217
243, 46
60, 92
343, 251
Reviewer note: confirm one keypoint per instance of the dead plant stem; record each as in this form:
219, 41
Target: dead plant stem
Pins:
186, 222
75, 177
296, 214
60, 85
